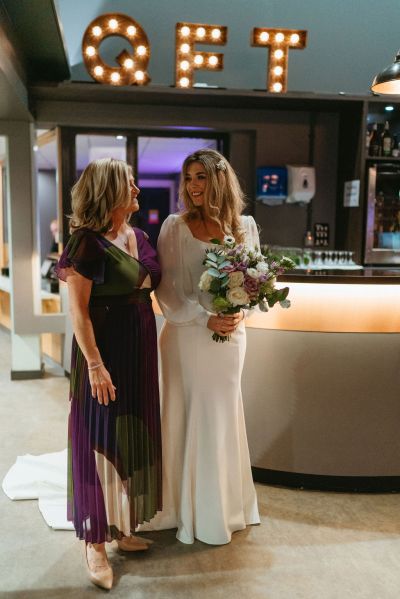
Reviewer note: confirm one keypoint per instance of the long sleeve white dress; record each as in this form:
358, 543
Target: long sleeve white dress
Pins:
208, 491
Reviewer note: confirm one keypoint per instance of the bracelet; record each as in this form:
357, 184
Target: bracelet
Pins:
95, 366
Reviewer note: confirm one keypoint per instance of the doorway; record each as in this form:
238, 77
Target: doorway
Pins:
159, 162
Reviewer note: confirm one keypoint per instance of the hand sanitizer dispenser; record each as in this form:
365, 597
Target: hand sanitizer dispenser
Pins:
301, 184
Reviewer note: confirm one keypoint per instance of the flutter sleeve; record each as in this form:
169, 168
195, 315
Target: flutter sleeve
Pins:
175, 294
84, 254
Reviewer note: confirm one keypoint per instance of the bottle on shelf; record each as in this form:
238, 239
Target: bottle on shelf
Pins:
308, 239
386, 141
395, 147
395, 227
374, 142
367, 139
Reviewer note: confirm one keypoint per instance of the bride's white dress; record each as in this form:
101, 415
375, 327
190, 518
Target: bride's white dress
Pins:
208, 491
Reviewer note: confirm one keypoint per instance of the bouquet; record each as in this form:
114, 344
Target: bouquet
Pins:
238, 277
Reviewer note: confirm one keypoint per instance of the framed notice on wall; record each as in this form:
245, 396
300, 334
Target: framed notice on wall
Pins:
321, 234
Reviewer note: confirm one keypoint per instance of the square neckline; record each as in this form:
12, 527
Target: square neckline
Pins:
196, 238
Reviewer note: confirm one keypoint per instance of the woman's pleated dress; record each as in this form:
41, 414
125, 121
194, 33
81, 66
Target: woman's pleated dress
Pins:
114, 469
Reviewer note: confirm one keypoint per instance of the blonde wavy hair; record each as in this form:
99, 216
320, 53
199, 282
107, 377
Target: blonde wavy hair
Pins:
102, 187
224, 198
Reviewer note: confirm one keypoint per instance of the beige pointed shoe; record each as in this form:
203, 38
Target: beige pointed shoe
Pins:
99, 570
133, 543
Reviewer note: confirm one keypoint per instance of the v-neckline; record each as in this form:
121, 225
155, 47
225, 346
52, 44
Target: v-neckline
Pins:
129, 255
121, 250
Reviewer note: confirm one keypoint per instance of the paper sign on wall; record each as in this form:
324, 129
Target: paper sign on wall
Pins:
351, 196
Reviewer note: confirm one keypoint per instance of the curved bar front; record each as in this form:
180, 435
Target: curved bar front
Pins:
321, 386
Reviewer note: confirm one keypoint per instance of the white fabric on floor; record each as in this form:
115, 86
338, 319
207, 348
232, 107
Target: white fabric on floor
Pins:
42, 477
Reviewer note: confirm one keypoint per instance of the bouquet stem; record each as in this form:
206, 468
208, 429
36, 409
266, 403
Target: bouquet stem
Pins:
221, 338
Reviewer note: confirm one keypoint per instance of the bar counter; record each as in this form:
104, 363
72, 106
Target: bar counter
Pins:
321, 382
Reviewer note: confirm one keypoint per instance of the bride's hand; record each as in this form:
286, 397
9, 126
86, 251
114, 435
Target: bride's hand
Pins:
225, 324
101, 385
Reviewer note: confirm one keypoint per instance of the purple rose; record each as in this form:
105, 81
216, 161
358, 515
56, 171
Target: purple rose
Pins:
252, 286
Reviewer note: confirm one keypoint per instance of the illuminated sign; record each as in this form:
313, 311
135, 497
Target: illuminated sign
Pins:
187, 58
132, 68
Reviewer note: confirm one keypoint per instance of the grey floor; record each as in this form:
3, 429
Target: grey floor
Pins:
309, 545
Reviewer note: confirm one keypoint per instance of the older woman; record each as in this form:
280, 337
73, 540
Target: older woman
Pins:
114, 478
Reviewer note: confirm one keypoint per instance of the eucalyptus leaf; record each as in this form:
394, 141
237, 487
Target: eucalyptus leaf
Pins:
224, 282
285, 303
211, 256
263, 306
213, 272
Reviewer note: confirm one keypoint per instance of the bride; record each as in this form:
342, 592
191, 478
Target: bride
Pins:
208, 488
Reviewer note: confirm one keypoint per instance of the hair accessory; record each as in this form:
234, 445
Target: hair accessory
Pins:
221, 165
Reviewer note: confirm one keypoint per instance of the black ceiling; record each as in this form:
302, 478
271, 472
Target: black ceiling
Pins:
39, 39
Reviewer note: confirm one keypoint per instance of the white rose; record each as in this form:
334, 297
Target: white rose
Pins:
205, 281
237, 296
253, 273
235, 279
262, 267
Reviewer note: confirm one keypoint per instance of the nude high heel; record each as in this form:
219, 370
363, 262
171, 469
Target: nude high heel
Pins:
99, 573
133, 543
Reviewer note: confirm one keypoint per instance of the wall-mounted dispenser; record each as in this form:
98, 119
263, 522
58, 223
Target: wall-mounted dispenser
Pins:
301, 184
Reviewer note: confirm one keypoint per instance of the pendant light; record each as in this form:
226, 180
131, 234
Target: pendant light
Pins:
388, 80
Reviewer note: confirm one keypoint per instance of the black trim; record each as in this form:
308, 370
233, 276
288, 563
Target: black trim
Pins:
25, 375
322, 482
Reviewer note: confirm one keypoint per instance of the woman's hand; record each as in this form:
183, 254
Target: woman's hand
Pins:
101, 385
225, 324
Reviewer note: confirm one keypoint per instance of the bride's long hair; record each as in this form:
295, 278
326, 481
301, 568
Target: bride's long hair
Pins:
223, 198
